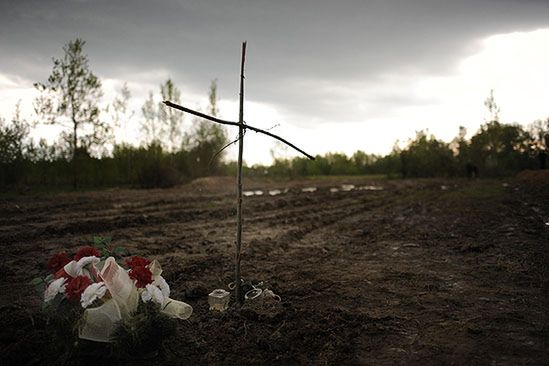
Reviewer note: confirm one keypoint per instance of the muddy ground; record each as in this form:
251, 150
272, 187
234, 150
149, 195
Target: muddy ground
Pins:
419, 272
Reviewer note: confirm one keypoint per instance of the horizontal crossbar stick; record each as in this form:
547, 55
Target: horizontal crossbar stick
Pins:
230, 123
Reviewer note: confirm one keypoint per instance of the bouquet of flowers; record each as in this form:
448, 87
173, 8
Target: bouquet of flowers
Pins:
122, 303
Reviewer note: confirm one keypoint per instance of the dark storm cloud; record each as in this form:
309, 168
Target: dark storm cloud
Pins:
294, 46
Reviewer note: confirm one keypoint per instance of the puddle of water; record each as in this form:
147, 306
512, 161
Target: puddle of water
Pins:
334, 190
370, 188
308, 189
347, 187
274, 192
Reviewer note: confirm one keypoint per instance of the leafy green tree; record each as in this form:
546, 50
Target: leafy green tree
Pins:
12, 148
499, 149
461, 150
390, 164
339, 163
425, 156
12, 137
70, 98
538, 133
363, 162
319, 166
538, 136
496, 149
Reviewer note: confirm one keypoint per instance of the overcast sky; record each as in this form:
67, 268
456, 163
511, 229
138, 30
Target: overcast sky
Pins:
334, 75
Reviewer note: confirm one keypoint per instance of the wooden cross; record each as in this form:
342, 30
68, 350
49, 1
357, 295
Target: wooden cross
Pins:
242, 126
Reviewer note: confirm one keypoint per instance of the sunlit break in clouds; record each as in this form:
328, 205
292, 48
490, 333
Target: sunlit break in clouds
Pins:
356, 75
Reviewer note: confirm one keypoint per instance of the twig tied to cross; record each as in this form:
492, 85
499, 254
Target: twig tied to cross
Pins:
242, 127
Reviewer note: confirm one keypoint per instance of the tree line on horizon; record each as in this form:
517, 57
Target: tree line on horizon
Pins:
496, 150
71, 95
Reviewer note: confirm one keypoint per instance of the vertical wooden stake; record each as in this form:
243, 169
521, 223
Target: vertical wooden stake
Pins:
238, 289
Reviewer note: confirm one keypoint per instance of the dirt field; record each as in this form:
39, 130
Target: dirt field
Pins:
418, 272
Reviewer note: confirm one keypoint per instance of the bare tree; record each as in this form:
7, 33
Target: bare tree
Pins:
213, 109
205, 141
493, 108
120, 111
170, 119
120, 107
151, 126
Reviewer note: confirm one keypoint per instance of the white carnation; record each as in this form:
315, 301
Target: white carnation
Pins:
151, 292
91, 293
54, 288
75, 268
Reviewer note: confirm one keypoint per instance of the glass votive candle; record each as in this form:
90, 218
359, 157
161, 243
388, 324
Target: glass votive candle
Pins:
219, 299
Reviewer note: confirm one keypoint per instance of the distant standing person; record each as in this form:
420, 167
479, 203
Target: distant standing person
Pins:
472, 170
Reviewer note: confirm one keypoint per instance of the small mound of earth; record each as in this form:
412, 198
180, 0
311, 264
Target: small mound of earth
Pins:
262, 309
534, 176
535, 182
212, 185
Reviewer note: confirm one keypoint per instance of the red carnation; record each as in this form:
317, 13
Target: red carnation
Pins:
142, 275
61, 273
58, 261
136, 261
76, 286
87, 252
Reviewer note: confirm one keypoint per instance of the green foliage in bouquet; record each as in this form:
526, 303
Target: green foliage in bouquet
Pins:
143, 333
63, 319
105, 247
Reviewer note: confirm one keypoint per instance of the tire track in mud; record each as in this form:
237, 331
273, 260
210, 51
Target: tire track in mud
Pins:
93, 221
294, 228
181, 211
266, 226
106, 209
